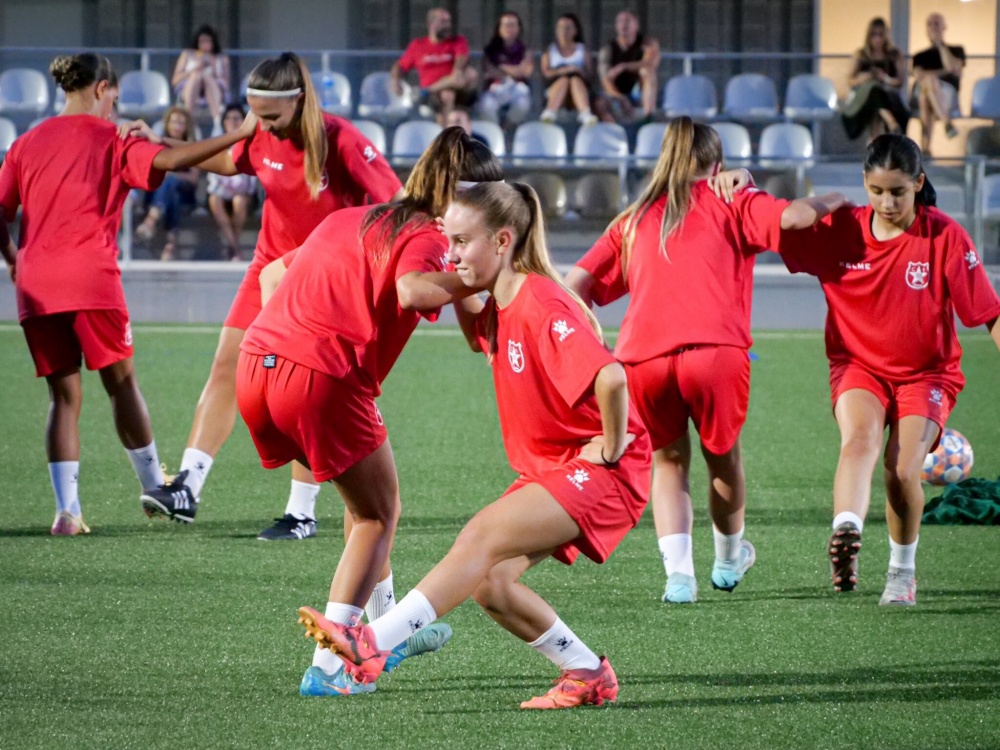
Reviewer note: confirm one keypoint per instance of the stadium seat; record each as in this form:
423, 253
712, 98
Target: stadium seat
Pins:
597, 196
334, 98
412, 138
601, 143
986, 98
784, 144
736, 147
648, 141
376, 101
990, 201
37, 121
373, 132
59, 100
694, 96
750, 96
492, 134
810, 97
143, 93
23, 91
8, 132
541, 140
551, 192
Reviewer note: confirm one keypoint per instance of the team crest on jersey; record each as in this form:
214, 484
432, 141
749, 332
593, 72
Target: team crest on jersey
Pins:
516, 355
324, 181
971, 259
918, 275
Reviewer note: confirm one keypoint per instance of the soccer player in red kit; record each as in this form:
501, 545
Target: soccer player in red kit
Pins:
72, 174
687, 258
310, 164
312, 363
894, 274
582, 455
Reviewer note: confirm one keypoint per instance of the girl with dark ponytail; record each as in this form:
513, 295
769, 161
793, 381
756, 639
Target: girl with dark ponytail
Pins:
581, 453
310, 164
72, 174
312, 364
687, 259
894, 273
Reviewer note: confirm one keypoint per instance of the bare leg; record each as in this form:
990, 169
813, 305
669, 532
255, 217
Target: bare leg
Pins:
671, 493
861, 418
447, 99
127, 404
213, 95
62, 430
727, 489
556, 95
579, 94
241, 208
515, 607
910, 440
190, 92
217, 206
215, 414
648, 82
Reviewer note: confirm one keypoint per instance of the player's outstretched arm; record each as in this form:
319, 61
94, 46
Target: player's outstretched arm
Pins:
802, 213
182, 155
429, 291
581, 282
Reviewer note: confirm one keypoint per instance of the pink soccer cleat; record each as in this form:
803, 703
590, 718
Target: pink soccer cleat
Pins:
579, 687
355, 644
66, 524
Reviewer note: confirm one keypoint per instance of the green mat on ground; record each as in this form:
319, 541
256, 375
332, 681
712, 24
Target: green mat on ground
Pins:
974, 501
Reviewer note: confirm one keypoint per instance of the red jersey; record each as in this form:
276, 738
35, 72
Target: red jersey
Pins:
892, 304
701, 291
544, 369
72, 173
433, 60
336, 312
354, 169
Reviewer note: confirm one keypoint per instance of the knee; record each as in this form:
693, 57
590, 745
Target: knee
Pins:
492, 592
901, 474
861, 445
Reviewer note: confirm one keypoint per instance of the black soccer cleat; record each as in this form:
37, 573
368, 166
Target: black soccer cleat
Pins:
289, 527
173, 500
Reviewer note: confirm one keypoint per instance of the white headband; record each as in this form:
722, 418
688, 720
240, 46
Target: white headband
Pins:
465, 184
273, 94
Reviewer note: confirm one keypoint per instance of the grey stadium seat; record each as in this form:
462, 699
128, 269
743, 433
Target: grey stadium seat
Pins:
810, 96
784, 144
648, 142
986, 98
601, 141
376, 100
491, 133
736, 146
750, 96
413, 137
334, 98
23, 91
373, 132
143, 93
694, 96
541, 140
8, 132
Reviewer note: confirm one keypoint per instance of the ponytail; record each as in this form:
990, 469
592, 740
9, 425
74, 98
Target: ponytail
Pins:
892, 151
287, 73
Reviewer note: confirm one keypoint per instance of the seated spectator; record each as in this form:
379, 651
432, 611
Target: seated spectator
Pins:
507, 66
460, 118
442, 62
568, 72
177, 189
626, 69
938, 72
875, 103
231, 197
202, 74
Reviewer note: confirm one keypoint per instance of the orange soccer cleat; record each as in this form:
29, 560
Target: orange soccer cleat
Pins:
579, 687
355, 644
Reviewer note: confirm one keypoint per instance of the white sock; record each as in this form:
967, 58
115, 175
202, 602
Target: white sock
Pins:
675, 549
147, 466
562, 647
846, 516
64, 476
302, 500
412, 613
382, 599
903, 556
345, 614
727, 546
197, 464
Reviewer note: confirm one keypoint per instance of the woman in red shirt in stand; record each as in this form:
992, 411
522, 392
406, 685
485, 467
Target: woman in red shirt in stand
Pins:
69, 292
687, 258
310, 164
894, 273
581, 453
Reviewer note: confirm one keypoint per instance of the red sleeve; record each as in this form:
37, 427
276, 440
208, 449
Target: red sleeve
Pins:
241, 155
760, 219
10, 196
409, 58
288, 257
367, 167
422, 252
135, 159
972, 293
603, 263
461, 46
571, 353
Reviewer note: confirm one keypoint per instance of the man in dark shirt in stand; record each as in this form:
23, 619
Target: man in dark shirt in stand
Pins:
938, 72
627, 68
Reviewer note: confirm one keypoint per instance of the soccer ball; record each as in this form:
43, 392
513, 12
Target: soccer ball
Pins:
951, 462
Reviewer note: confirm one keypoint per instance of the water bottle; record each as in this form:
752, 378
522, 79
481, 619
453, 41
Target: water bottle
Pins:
327, 97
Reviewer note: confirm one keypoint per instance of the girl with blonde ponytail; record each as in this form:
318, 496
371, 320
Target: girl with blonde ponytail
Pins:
686, 257
310, 164
582, 456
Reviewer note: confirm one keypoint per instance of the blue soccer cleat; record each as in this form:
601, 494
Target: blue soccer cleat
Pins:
681, 589
318, 684
726, 577
431, 638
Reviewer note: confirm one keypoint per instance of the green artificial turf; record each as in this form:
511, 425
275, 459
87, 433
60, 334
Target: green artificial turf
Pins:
152, 635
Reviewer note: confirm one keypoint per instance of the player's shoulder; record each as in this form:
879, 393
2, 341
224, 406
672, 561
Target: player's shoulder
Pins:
546, 297
939, 226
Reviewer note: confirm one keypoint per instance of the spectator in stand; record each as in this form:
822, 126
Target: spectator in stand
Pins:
177, 190
938, 71
507, 66
202, 74
626, 67
460, 118
442, 62
231, 196
568, 72
874, 102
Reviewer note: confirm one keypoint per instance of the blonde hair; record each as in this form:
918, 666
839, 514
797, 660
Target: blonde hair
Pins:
516, 205
687, 149
285, 73
189, 132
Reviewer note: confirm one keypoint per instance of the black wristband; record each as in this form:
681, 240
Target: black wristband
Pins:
612, 464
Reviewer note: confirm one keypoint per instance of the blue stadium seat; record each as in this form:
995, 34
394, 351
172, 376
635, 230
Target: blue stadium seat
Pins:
492, 133
648, 141
8, 132
750, 96
810, 97
986, 98
541, 140
376, 101
602, 142
694, 96
784, 144
334, 92
23, 91
143, 93
412, 138
373, 132
736, 147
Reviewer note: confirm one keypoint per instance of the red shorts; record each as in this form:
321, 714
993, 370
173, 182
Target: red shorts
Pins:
63, 340
929, 398
246, 307
605, 503
297, 413
708, 384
